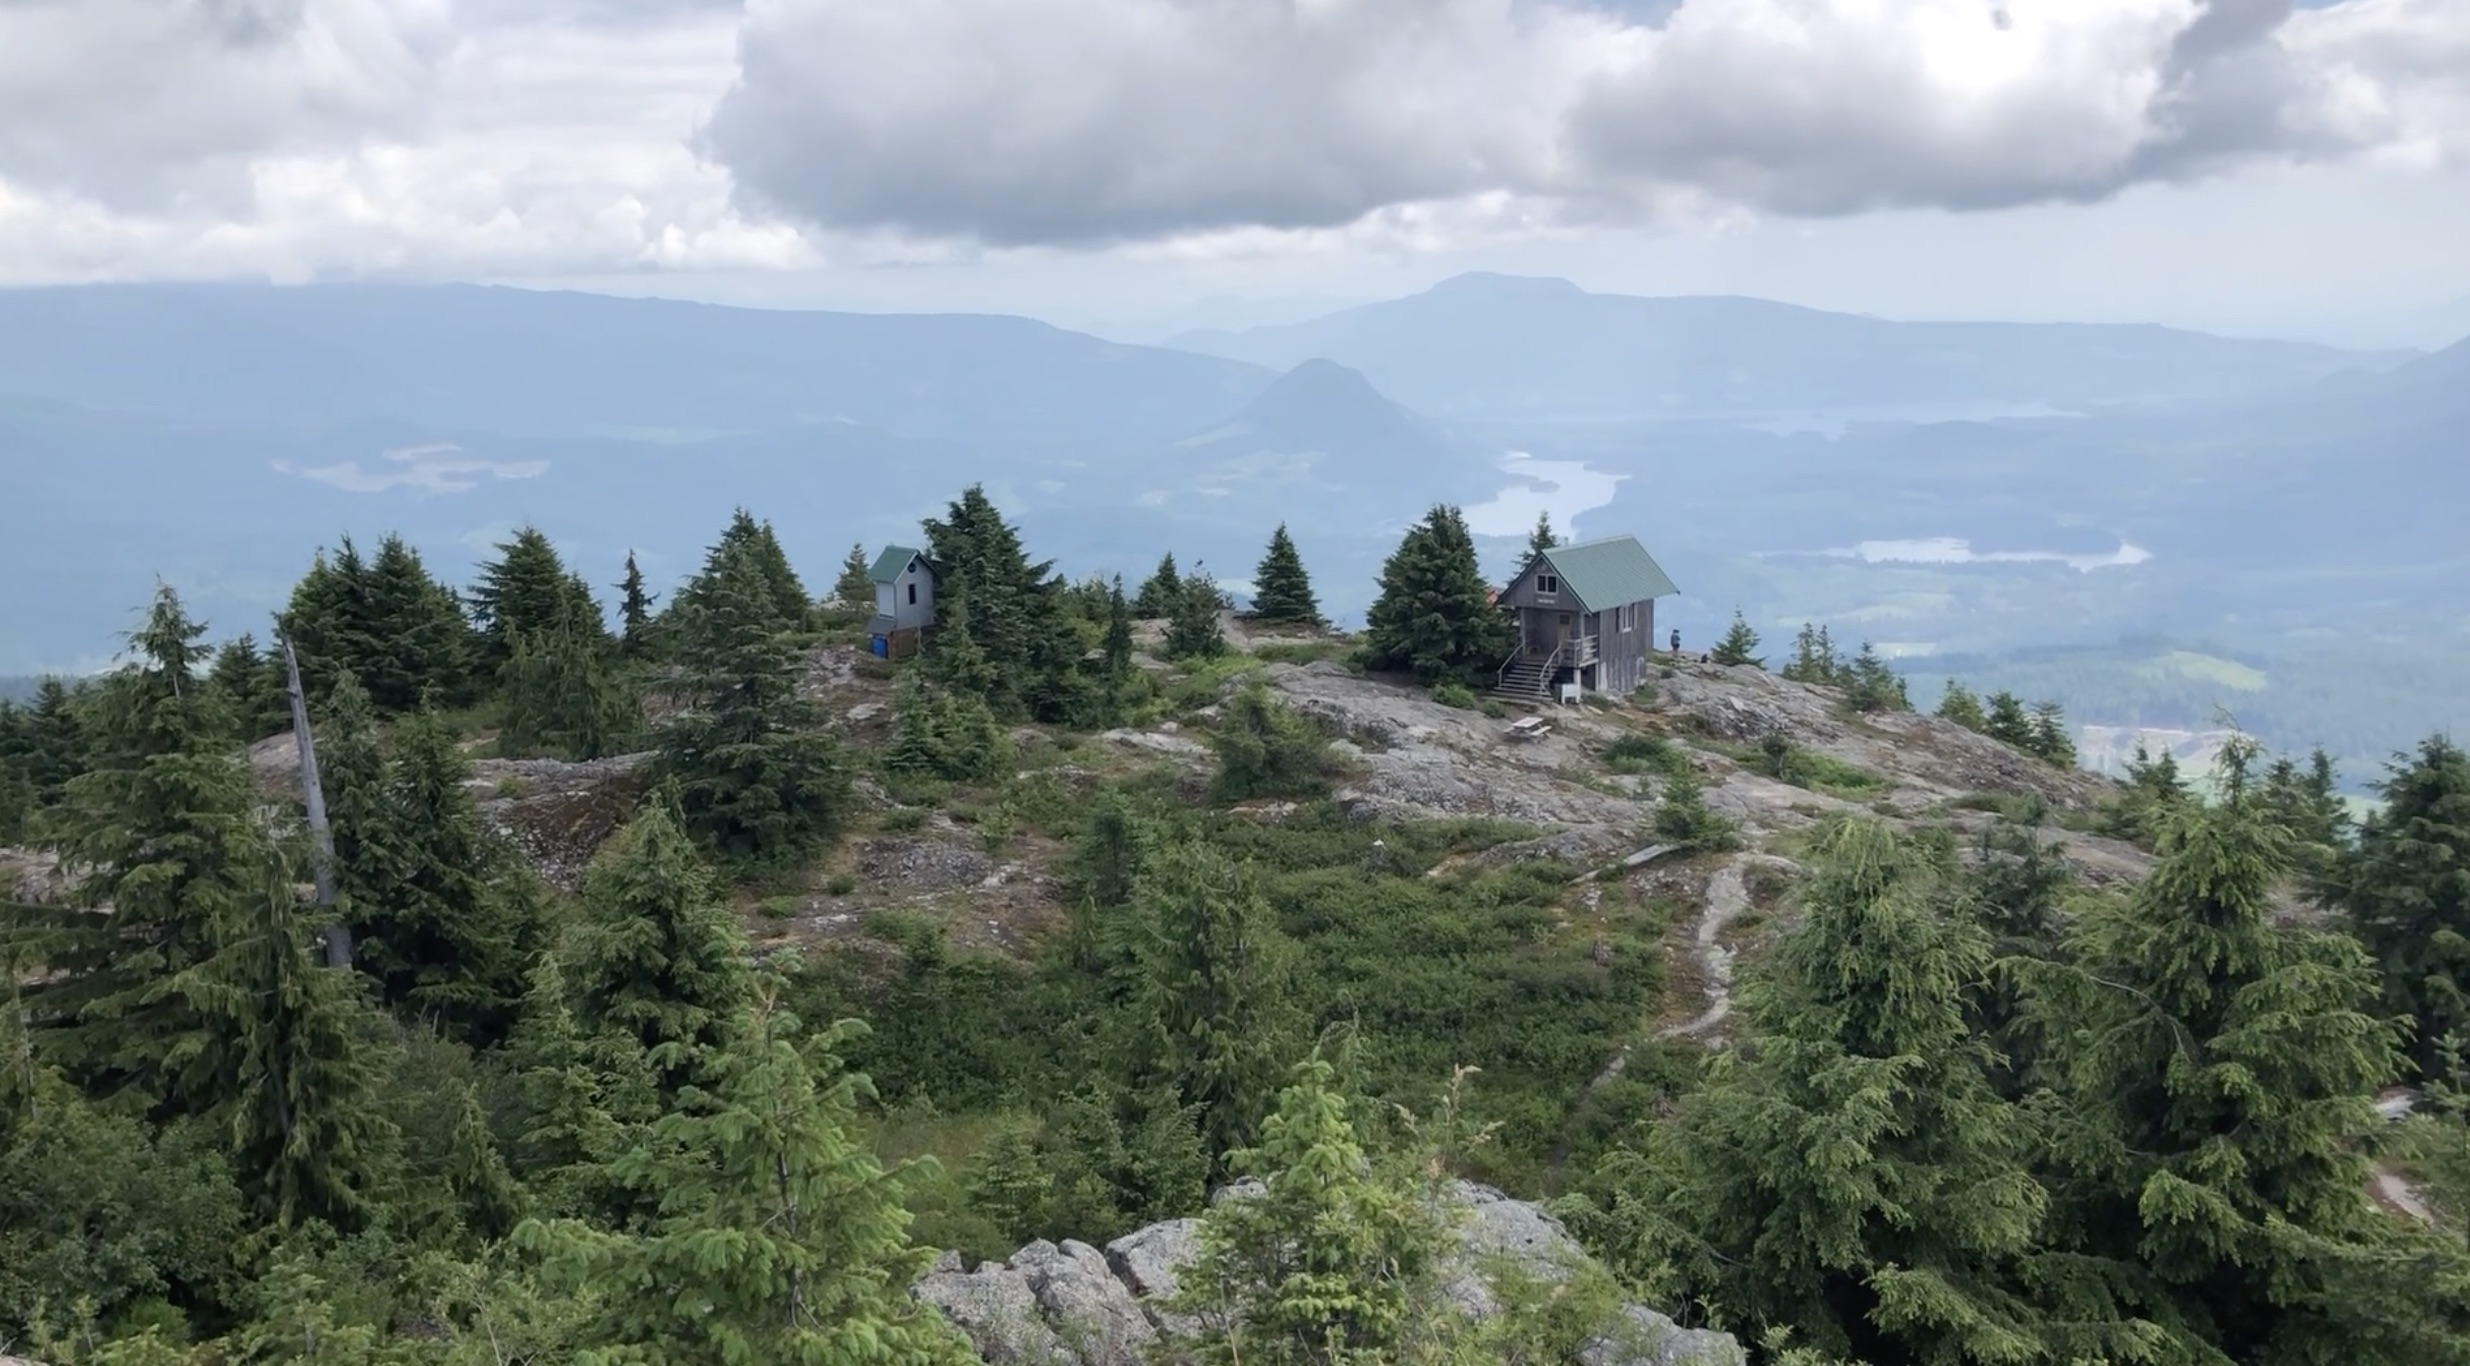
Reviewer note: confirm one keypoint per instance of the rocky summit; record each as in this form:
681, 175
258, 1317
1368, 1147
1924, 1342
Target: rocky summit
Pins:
1077, 1305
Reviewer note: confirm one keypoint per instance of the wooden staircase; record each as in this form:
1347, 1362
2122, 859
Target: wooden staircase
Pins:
1527, 678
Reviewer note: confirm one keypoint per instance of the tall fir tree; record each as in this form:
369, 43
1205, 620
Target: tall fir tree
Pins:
2308, 803
1117, 682
415, 640
1160, 591
161, 846
565, 696
1435, 616
2007, 722
2218, 1069
757, 782
748, 561
656, 958
528, 592
442, 940
351, 767
1849, 1174
1215, 1006
779, 1238
294, 1064
1017, 610
1962, 706
855, 589
2050, 741
634, 612
1281, 591
1192, 630
2406, 891
251, 685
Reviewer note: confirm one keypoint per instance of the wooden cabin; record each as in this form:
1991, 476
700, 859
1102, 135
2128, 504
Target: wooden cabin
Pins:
1586, 617
904, 601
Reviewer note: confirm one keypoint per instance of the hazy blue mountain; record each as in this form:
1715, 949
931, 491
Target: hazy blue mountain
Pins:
1327, 424
1508, 347
532, 362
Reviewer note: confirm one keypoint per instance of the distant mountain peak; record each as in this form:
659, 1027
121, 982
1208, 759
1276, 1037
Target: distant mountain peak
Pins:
1495, 285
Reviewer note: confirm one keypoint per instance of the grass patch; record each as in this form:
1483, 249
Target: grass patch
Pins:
1787, 762
1301, 652
1639, 755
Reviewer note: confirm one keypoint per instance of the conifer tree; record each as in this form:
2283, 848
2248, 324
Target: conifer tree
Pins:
756, 782
1325, 1264
2218, 1069
2007, 722
248, 683
2154, 790
527, 592
1960, 705
748, 561
634, 612
1116, 684
1739, 645
944, 734
2050, 741
412, 639
2308, 803
1281, 591
440, 940
1160, 591
855, 588
161, 849
656, 958
1814, 659
59, 744
1266, 750
293, 1064
1871, 686
1215, 968
565, 696
958, 662
1684, 820
1849, 1174
2406, 890
1542, 537
1017, 610
1192, 623
1435, 615
779, 1239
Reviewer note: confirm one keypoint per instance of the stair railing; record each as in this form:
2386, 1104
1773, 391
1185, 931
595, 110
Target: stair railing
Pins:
1551, 663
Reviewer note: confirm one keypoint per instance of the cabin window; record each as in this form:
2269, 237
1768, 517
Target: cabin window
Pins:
913, 595
1627, 615
1547, 586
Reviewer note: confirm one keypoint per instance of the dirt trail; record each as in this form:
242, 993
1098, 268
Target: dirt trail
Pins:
1728, 895
2396, 1194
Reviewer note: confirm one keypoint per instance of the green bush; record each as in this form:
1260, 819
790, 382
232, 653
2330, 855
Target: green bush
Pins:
1266, 750
1452, 692
1642, 754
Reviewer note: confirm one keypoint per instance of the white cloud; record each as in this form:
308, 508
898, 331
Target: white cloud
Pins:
432, 469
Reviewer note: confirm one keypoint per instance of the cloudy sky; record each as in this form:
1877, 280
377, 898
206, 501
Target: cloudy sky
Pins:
1137, 165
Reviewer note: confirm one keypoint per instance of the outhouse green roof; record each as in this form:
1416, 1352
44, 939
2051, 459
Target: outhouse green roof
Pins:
893, 560
1609, 572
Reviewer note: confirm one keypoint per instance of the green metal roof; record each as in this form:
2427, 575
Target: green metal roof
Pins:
1610, 572
891, 562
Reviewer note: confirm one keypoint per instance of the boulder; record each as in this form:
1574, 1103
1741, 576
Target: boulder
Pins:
1071, 1305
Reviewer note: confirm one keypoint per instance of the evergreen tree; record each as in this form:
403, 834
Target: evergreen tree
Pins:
1871, 686
1739, 645
1961, 706
60, 744
1214, 968
1116, 685
565, 696
1281, 591
1684, 820
634, 612
1017, 610
945, 735
1435, 616
958, 662
2218, 1070
161, 848
656, 958
2406, 890
2050, 741
2007, 723
439, 938
1849, 1174
780, 1239
1266, 750
746, 562
251, 688
1541, 538
855, 588
2154, 790
528, 593
412, 637
359, 809
2308, 803
757, 783
1159, 594
293, 1065
1814, 659
1192, 623
1325, 1264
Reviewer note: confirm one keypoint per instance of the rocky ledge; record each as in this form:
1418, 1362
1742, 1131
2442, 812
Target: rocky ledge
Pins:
1075, 1305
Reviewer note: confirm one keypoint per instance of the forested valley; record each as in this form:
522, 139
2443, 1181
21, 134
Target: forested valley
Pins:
821, 966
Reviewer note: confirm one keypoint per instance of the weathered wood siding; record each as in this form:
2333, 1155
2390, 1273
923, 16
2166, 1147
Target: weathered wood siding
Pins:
908, 600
